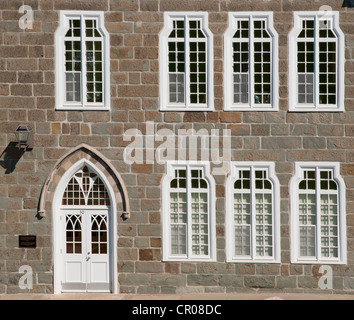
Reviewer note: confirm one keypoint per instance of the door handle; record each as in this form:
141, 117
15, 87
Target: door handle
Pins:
88, 257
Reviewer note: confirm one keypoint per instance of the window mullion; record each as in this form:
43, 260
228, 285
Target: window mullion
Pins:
189, 213
253, 232
316, 87
251, 62
187, 62
318, 215
63, 91
83, 61
272, 73
275, 225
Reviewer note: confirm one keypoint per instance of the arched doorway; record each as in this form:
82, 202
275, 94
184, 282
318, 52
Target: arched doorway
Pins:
85, 196
85, 227
85, 233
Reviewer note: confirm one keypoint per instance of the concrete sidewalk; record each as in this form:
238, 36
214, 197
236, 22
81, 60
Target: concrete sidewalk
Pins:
204, 296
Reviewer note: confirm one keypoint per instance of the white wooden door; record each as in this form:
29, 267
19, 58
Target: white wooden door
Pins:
86, 248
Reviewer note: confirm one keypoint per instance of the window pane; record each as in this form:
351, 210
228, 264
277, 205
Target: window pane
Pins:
178, 239
242, 241
197, 180
307, 241
99, 234
264, 230
327, 72
74, 28
91, 29
176, 64
305, 67
178, 220
177, 87
242, 222
199, 221
329, 225
73, 234
73, 70
241, 71
261, 181
94, 67
198, 71
195, 30
73, 86
244, 182
262, 68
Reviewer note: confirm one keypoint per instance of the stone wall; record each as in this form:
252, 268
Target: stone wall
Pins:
27, 95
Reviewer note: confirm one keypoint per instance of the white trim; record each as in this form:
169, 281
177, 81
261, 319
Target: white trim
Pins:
294, 106
165, 196
163, 60
57, 232
294, 215
229, 104
60, 103
236, 166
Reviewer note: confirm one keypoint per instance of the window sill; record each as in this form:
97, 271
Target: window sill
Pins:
82, 108
235, 260
314, 109
298, 261
189, 260
250, 109
186, 109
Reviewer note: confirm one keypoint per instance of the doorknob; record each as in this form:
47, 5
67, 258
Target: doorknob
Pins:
88, 256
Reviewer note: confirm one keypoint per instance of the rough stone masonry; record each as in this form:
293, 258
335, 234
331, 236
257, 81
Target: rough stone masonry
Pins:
27, 95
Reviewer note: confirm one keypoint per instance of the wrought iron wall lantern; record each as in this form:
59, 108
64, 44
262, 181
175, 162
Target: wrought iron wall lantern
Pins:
24, 136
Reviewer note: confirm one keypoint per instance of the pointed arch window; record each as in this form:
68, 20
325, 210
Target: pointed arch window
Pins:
85, 188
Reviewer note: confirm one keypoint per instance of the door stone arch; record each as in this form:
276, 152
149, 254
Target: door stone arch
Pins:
52, 191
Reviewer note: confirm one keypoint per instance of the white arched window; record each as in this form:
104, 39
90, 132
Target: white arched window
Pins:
82, 61
188, 212
252, 217
251, 62
186, 62
318, 232
316, 62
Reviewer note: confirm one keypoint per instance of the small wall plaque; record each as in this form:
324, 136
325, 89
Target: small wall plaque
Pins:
27, 241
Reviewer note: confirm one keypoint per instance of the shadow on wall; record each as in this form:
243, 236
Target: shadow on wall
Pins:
348, 4
10, 156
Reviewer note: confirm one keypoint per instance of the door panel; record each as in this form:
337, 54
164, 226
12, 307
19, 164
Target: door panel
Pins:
74, 271
99, 271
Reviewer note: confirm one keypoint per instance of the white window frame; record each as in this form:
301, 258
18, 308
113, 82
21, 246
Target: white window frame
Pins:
165, 105
171, 166
300, 167
294, 106
60, 93
229, 104
236, 167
